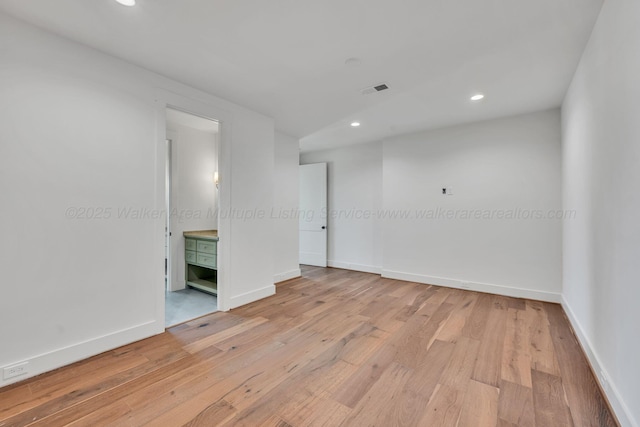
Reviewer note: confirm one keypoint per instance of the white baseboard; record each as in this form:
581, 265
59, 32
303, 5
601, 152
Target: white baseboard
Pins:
249, 297
55, 359
287, 275
356, 267
611, 391
475, 286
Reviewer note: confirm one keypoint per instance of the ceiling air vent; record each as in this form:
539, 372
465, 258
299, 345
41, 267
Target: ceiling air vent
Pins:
374, 89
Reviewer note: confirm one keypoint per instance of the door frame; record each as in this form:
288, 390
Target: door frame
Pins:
166, 99
168, 195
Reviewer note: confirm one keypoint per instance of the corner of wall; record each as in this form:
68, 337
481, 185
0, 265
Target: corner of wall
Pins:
608, 387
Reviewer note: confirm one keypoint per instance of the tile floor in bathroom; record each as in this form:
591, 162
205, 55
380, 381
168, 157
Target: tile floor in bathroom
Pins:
187, 304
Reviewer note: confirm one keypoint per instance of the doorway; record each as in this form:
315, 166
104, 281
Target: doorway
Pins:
313, 215
192, 206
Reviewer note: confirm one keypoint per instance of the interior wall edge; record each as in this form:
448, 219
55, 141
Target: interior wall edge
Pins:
607, 386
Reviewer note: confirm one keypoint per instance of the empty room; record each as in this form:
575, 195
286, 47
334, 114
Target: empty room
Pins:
330, 213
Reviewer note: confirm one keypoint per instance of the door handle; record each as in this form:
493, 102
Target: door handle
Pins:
324, 227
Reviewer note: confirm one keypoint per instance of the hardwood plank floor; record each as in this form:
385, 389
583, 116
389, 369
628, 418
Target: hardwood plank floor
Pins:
334, 348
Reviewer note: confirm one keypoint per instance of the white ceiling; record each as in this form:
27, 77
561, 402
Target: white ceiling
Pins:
286, 58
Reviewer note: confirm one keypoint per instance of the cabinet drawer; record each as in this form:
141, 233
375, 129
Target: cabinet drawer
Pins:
206, 260
190, 244
190, 256
206, 247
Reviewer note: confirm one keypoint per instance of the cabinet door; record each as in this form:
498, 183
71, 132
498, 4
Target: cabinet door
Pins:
190, 244
190, 256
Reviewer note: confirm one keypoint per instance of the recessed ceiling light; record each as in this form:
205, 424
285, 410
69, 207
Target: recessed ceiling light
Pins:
477, 97
355, 124
127, 2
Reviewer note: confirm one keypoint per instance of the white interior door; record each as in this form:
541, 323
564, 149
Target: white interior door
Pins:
313, 214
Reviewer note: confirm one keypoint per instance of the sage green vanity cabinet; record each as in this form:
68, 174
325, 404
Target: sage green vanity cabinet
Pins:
201, 260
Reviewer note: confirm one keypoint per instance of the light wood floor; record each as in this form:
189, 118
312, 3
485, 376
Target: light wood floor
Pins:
334, 348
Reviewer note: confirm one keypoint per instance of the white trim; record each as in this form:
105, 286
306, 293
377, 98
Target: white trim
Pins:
355, 267
609, 388
475, 286
287, 275
252, 296
67, 355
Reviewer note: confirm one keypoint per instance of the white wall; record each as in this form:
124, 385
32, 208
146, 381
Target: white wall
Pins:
285, 208
508, 168
601, 168
81, 137
194, 194
249, 272
354, 193
505, 167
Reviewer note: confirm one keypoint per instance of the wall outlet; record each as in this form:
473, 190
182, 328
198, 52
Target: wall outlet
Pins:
15, 370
